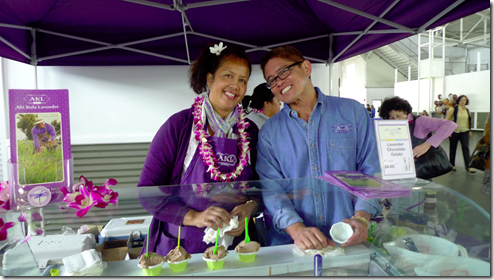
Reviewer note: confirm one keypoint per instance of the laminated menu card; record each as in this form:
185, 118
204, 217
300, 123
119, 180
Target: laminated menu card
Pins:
364, 185
40, 145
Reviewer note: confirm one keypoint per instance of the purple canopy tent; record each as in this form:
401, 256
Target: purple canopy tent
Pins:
172, 32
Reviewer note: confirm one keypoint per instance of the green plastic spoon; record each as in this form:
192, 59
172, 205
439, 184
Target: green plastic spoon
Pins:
147, 244
178, 245
216, 243
247, 238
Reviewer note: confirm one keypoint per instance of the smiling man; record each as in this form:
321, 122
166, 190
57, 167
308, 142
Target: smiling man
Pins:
312, 134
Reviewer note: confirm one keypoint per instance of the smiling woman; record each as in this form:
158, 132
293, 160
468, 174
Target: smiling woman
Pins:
212, 141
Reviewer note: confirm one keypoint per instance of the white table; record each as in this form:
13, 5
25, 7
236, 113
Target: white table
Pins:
273, 260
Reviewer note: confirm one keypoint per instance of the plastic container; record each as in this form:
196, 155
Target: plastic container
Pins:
429, 247
121, 228
215, 264
178, 266
341, 232
455, 266
247, 257
154, 270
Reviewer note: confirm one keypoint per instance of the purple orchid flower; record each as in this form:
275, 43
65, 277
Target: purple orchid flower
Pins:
4, 196
22, 218
3, 229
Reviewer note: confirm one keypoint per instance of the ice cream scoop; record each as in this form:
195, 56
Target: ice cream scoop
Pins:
177, 255
220, 253
250, 247
152, 260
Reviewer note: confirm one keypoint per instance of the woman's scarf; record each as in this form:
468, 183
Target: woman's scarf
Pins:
220, 126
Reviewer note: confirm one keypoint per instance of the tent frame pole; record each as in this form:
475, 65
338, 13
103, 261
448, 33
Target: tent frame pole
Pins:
440, 15
364, 14
366, 30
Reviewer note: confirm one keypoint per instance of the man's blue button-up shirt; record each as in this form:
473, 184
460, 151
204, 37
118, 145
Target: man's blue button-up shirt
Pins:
338, 136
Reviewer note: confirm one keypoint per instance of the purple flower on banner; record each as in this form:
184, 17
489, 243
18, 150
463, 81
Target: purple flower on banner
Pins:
4, 196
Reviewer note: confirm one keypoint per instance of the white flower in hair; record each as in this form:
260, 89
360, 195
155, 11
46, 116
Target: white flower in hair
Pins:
217, 49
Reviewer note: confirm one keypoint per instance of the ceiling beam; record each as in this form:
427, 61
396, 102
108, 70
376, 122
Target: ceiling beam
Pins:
364, 14
365, 31
15, 48
153, 4
440, 15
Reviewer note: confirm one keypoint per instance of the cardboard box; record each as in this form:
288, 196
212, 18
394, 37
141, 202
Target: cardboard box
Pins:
118, 250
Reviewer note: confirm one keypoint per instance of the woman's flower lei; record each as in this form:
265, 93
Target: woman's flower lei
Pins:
85, 195
217, 49
259, 111
206, 151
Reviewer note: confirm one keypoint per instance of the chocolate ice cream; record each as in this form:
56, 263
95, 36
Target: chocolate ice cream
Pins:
250, 247
152, 259
177, 255
220, 253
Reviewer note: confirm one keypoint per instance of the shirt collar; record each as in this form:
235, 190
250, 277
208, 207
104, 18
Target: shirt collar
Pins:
320, 102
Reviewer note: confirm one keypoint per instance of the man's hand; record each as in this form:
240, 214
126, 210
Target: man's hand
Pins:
359, 232
308, 237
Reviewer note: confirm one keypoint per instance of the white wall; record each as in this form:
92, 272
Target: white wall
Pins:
379, 74
352, 81
475, 85
121, 104
379, 93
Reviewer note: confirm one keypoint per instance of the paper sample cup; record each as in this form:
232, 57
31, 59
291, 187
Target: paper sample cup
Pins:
341, 232
178, 266
153, 270
215, 264
247, 257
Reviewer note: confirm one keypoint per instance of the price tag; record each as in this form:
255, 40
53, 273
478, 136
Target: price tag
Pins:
395, 149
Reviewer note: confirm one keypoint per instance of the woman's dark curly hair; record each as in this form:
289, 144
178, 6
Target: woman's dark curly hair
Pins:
208, 62
460, 97
395, 103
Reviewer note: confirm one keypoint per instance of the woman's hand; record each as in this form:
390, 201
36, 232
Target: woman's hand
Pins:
242, 211
470, 134
212, 217
421, 149
359, 232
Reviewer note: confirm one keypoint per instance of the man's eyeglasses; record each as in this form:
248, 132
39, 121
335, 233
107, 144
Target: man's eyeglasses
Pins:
283, 74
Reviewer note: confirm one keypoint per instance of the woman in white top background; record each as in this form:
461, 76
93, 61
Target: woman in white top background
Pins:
461, 116
261, 105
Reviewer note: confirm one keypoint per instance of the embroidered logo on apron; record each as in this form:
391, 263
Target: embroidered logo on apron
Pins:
226, 159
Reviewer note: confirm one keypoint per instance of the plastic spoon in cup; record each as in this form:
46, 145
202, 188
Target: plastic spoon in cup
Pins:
178, 245
247, 238
147, 244
216, 243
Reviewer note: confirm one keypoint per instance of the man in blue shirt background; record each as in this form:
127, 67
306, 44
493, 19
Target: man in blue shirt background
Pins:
312, 134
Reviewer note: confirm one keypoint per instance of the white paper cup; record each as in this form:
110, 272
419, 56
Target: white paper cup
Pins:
341, 232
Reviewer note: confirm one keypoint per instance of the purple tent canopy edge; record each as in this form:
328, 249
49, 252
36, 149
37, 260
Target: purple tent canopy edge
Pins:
141, 32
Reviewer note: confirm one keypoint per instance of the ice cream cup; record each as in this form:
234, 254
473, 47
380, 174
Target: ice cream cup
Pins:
153, 270
341, 232
178, 266
215, 264
247, 257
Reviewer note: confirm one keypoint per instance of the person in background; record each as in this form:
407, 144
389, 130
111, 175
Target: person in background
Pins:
486, 183
44, 134
178, 154
373, 112
339, 136
441, 109
368, 109
461, 116
261, 105
397, 108
424, 113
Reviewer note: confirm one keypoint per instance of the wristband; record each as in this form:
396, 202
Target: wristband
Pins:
363, 220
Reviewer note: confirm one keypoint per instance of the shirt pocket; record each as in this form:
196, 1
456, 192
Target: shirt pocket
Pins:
346, 144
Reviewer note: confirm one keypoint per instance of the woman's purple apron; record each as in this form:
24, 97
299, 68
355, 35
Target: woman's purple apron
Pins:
191, 237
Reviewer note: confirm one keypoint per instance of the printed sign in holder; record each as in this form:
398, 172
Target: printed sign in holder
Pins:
38, 195
395, 149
